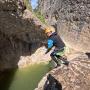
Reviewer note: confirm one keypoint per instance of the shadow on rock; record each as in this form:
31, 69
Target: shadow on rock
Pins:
52, 84
6, 77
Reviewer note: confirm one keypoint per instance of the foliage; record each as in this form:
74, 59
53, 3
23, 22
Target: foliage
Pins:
28, 5
40, 16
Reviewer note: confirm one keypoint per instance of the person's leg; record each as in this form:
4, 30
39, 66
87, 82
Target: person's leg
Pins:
62, 57
54, 58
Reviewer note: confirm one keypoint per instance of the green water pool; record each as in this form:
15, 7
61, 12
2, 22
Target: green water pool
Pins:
23, 79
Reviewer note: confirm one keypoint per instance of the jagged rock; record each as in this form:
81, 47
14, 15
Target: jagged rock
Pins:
74, 77
72, 18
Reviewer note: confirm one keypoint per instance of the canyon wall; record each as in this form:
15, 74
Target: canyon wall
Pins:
20, 33
72, 19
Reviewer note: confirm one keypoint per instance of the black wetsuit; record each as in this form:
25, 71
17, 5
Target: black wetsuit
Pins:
55, 40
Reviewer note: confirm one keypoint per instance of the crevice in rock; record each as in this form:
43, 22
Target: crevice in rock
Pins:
52, 84
88, 54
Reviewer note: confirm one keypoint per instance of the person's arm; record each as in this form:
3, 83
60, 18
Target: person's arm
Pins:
50, 45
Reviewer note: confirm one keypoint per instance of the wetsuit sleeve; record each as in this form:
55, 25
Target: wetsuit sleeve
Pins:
50, 45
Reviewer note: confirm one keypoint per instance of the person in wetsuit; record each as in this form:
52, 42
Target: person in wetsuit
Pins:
55, 40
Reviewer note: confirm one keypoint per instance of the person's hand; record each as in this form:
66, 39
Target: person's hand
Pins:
45, 50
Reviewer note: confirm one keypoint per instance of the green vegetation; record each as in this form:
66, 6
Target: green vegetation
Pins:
36, 11
40, 16
28, 5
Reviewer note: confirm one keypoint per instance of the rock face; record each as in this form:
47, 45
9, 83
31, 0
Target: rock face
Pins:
74, 77
72, 18
19, 36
